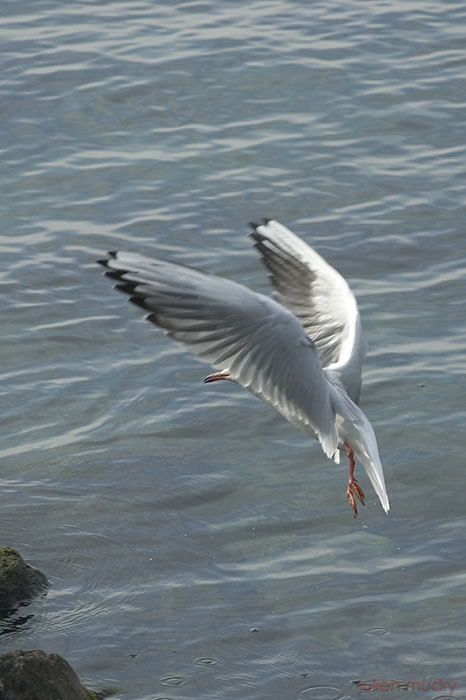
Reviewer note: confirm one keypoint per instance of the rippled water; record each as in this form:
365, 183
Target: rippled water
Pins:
196, 544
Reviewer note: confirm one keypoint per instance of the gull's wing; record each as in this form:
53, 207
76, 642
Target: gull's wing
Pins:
319, 297
258, 342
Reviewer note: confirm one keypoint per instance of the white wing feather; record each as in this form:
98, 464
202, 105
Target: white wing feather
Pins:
319, 297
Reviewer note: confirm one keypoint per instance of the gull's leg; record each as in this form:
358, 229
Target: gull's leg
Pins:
216, 376
353, 489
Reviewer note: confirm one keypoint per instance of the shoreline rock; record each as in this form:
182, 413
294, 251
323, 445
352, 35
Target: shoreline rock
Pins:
18, 581
35, 675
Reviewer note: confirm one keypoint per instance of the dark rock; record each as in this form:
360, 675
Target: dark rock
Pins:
35, 675
18, 581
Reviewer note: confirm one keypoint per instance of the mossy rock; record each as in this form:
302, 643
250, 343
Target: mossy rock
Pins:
18, 581
35, 675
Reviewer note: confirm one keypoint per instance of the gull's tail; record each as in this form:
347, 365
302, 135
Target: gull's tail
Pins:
354, 428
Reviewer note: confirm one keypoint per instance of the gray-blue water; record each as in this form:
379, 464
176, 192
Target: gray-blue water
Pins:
196, 544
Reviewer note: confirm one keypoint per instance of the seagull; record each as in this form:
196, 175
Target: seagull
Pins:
300, 350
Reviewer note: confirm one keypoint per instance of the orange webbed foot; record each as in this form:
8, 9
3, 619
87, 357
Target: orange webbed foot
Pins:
353, 489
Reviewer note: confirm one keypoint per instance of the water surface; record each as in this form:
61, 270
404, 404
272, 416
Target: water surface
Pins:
196, 544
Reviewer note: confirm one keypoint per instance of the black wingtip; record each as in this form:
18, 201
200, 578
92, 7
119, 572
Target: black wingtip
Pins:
255, 234
127, 287
138, 301
258, 237
104, 261
115, 274
153, 318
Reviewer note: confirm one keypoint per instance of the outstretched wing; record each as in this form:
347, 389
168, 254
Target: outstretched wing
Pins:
258, 342
319, 297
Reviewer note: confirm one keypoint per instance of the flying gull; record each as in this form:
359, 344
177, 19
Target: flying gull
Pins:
300, 351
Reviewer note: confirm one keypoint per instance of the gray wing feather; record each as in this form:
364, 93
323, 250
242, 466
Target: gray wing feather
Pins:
258, 342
